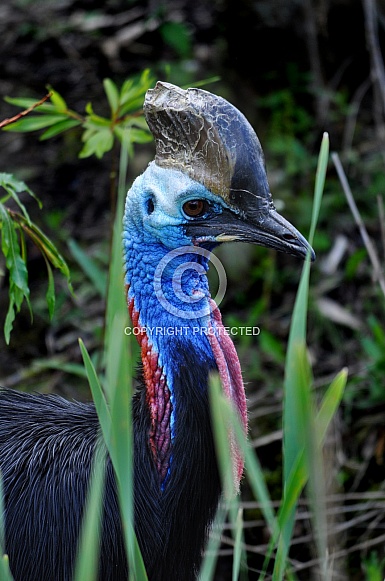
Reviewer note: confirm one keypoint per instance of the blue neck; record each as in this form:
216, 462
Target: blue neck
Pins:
171, 297
177, 483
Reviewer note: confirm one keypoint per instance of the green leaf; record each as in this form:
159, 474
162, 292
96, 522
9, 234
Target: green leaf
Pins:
98, 143
132, 93
59, 128
132, 134
11, 250
132, 89
18, 274
50, 294
14, 186
35, 122
238, 537
25, 103
58, 101
177, 35
60, 364
95, 122
112, 95
98, 396
10, 317
293, 437
45, 245
330, 403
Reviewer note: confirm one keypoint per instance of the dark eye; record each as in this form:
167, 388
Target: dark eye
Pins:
194, 208
150, 206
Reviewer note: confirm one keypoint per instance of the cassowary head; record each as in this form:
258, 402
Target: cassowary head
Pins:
207, 185
208, 182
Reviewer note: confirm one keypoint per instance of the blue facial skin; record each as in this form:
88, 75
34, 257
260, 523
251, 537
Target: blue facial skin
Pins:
153, 235
152, 229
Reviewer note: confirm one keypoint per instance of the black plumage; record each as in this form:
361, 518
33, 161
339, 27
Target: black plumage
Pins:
46, 449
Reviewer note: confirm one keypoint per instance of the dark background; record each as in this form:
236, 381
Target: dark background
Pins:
296, 69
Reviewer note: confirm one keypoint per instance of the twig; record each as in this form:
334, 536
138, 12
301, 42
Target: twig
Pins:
351, 119
377, 69
25, 112
378, 274
381, 213
322, 97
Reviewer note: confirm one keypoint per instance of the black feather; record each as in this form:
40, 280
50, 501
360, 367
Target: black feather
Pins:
46, 451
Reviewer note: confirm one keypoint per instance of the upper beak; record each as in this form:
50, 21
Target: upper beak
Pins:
268, 229
273, 231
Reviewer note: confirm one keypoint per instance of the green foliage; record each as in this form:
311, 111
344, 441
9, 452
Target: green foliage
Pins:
289, 127
14, 227
90, 268
303, 428
373, 567
374, 348
177, 36
99, 133
126, 123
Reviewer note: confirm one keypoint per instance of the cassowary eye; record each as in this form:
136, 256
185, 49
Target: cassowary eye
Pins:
150, 206
194, 208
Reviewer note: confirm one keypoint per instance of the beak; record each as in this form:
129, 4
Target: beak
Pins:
265, 229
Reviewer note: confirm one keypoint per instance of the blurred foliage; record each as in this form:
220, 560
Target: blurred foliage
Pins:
14, 227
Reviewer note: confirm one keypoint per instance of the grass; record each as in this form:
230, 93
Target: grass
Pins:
304, 430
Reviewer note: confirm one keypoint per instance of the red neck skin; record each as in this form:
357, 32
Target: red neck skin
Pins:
232, 384
159, 399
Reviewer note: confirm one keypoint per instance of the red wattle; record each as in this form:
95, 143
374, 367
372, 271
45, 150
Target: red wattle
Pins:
158, 398
230, 374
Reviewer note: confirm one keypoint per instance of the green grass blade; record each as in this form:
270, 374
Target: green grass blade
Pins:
5, 573
238, 550
300, 471
96, 275
330, 404
293, 437
312, 456
119, 372
223, 431
322, 165
87, 561
98, 396
211, 554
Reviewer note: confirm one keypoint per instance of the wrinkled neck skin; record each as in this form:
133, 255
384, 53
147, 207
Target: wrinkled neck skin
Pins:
176, 322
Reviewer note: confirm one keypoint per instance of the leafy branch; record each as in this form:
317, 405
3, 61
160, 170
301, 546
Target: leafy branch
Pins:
14, 227
99, 133
53, 116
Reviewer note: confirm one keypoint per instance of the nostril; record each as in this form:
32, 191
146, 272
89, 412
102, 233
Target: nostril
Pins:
289, 237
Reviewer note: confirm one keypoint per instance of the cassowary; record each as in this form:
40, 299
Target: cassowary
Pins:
206, 186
